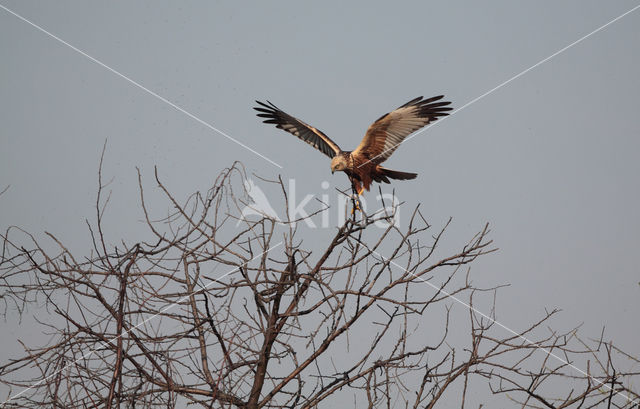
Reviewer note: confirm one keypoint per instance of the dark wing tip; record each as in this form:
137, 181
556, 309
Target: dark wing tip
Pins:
414, 101
435, 107
420, 101
269, 106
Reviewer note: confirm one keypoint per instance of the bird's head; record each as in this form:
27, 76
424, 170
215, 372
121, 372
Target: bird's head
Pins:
338, 162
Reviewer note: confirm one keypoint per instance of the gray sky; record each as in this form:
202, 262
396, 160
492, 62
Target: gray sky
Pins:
549, 160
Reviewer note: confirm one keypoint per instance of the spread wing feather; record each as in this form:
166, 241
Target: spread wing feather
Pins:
303, 131
385, 135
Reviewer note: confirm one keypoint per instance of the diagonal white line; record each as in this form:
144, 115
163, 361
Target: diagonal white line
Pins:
497, 87
137, 84
525, 339
104, 344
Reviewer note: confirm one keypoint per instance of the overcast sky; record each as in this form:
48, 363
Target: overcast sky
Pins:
550, 159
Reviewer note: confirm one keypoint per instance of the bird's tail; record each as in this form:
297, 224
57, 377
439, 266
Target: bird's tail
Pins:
394, 174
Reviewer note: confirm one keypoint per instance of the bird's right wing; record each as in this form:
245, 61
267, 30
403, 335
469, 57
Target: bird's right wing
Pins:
387, 133
307, 133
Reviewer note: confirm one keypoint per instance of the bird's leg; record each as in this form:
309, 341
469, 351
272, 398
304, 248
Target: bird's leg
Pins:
355, 200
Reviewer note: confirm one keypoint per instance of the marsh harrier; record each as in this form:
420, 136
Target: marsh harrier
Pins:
362, 165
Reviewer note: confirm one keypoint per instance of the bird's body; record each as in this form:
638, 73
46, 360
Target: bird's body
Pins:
362, 171
362, 165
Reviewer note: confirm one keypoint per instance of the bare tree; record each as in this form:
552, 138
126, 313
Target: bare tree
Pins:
217, 310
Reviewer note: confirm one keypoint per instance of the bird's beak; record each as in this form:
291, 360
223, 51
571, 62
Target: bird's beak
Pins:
332, 170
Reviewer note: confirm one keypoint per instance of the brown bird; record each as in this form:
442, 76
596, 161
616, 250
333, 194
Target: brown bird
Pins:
383, 137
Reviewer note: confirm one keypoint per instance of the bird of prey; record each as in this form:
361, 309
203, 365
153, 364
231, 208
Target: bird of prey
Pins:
362, 165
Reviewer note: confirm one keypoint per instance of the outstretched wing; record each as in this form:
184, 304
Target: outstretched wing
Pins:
307, 133
388, 132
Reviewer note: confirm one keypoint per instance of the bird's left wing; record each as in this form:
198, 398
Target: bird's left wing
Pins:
388, 132
307, 133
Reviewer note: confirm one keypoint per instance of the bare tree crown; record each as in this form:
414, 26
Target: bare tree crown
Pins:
208, 312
